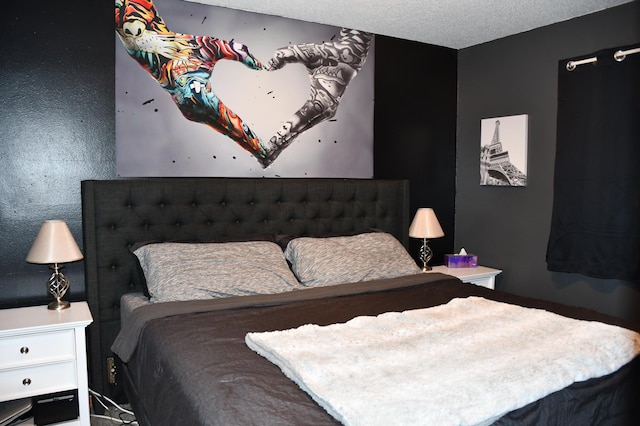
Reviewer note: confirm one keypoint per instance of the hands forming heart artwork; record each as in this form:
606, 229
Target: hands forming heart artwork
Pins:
183, 64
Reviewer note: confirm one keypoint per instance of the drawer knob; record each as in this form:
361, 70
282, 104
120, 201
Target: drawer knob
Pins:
26, 381
24, 350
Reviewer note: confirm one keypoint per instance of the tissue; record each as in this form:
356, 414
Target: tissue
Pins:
461, 260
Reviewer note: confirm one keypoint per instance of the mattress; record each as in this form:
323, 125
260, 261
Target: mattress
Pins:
129, 302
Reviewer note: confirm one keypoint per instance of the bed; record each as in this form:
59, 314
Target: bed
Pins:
191, 359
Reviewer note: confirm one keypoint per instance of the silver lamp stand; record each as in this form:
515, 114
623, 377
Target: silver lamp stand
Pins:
425, 255
58, 285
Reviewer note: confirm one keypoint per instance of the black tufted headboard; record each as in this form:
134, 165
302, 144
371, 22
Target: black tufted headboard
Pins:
118, 213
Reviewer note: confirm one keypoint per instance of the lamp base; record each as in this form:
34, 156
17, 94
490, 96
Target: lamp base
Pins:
58, 285
58, 305
425, 255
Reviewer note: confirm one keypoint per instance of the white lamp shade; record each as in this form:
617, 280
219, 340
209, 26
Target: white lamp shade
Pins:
425, 224
54, 244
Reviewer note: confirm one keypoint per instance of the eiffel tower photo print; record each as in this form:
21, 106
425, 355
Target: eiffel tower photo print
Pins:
503, 152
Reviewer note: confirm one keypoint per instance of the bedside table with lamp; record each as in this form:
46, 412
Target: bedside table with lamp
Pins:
43, 348
425, 225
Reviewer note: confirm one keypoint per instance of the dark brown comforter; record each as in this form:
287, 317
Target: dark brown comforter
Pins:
188, 363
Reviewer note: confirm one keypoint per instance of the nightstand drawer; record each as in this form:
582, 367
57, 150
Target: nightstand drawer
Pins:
37, 380
44, 351
36, 348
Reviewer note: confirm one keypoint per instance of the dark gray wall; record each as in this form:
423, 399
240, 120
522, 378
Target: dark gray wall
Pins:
415, 128
508, 227
57, 119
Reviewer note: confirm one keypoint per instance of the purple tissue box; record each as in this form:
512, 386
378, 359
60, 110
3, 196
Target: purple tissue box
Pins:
460, 260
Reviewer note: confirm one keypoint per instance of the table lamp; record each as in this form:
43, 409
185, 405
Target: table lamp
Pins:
54, 245
425, 225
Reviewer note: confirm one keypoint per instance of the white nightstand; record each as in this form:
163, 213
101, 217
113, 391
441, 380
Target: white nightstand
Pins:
481, 275
44, 351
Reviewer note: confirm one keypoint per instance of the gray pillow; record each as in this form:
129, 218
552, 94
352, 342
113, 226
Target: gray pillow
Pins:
339, 260
189, 271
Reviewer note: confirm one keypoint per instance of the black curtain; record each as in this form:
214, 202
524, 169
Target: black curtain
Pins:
595, 227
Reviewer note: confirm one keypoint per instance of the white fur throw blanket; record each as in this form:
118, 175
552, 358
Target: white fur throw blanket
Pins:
464, 363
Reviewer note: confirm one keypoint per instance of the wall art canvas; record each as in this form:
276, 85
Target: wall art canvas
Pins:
203, 90
503, 151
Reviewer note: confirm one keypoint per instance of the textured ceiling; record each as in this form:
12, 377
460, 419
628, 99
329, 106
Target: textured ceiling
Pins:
450, 23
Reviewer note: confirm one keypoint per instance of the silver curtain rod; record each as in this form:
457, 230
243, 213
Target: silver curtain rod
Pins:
618, 56
621, 54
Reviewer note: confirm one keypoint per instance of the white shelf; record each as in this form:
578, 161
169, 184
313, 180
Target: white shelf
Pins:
480, 275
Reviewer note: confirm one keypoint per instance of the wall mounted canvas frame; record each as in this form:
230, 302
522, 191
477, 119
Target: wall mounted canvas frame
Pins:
503, 150
176, 116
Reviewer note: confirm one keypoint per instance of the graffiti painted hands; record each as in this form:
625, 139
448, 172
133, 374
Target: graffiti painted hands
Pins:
183, 65
331, 66
192, 90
